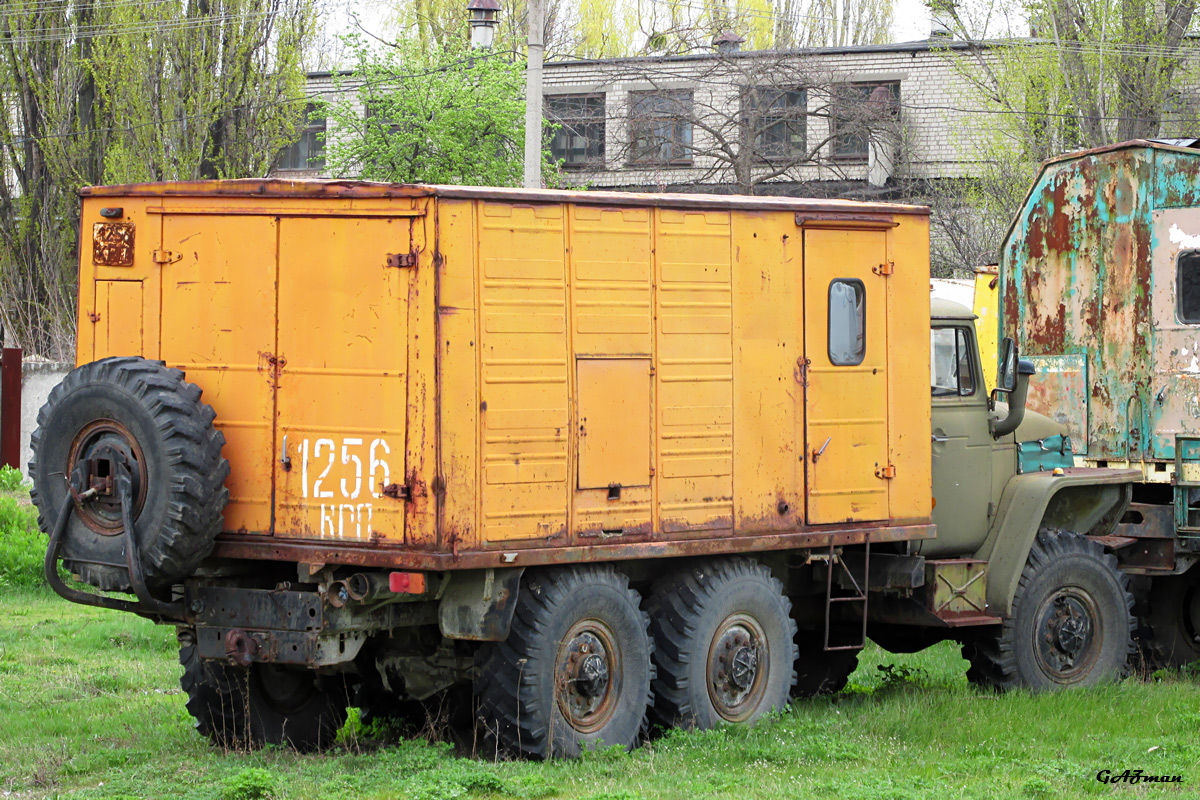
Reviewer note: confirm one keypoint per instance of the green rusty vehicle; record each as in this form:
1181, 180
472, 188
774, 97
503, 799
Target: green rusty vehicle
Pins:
1019, 572
1100, 286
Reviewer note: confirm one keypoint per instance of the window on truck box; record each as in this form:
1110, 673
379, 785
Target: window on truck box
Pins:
1187, 287
950, 359
847, 322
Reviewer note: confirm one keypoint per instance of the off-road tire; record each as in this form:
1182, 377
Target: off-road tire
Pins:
1069, 573
236, 710
694, 612
1170, 627
184, 493
520, 699
820, 671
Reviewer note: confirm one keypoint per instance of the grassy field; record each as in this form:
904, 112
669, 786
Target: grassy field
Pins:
91, 708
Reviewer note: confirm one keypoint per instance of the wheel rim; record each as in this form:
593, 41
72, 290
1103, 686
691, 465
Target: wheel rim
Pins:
737, 667
104, 446
585, 675
1068, 634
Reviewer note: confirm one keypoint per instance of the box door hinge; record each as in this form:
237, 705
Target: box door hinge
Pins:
402, 260
886, 268
886, 473
166, 257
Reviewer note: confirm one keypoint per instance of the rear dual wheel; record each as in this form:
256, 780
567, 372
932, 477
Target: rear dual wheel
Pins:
575, 671
724, 644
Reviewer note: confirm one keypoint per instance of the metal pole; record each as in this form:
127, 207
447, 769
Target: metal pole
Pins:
10, 407
533, 95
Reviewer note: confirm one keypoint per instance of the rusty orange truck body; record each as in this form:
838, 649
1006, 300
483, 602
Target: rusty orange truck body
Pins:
441, 378
591, 457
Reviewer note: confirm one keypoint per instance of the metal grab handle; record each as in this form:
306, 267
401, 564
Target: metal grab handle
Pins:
284, 458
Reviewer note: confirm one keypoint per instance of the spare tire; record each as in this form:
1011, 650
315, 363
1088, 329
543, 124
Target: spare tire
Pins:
146, 415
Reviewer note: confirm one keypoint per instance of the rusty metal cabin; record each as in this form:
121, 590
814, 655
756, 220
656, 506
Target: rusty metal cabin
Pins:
449, 377
1101, 288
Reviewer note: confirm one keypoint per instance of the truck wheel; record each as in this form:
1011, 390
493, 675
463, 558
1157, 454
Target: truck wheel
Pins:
575, 670
820, 671
263, 704
143, 414
1072, 621
1172, 620
724, 644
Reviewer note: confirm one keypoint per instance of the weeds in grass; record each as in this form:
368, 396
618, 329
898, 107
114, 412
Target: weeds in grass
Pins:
252, 783
22, 546
11, 480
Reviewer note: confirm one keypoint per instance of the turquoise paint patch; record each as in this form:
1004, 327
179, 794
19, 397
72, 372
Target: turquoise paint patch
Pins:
1043, 455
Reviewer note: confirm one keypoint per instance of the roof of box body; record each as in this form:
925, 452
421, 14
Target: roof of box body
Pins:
267, 187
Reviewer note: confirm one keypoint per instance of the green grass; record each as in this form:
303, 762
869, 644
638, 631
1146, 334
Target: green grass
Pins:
91, 708
22, 546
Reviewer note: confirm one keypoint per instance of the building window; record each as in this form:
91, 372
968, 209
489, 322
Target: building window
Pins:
661, 126
847, 322
1187, 287
308, 152
950, 355
776, 121
579, 140
860, 110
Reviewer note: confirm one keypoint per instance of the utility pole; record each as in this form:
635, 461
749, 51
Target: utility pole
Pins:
533, 95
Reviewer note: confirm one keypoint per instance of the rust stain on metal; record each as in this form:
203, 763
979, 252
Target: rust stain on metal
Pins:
112, 244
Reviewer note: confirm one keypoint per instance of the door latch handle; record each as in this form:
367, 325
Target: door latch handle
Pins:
802, 365
284, 458
937, 438
817, 453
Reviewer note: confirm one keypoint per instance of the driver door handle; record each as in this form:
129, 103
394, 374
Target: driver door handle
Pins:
937, 438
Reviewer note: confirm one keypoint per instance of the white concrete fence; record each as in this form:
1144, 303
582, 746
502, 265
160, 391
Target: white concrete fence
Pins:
37, 379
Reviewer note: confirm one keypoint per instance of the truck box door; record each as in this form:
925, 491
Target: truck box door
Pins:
845, 336
342, 378
218, 325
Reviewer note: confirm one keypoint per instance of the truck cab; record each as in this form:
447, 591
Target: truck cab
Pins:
979, 441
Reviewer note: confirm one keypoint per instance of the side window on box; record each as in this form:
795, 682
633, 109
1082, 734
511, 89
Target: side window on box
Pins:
847, 322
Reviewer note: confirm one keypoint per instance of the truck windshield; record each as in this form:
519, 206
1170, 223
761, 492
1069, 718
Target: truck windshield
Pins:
950, 359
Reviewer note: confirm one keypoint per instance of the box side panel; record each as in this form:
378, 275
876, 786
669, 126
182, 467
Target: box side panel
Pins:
768, 326
458, 372
693, 304
612, 330
908, 370
524, 372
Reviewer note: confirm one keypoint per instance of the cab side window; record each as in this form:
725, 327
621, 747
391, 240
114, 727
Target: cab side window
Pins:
847, 322
952, 373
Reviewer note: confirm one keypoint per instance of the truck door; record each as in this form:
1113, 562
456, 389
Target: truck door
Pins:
962, 443
845, 340
342, 378
218, 326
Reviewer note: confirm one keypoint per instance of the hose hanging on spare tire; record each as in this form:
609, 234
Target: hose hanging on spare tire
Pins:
143, 418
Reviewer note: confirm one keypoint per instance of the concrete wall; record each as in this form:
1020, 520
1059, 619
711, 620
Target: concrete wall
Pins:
37, 379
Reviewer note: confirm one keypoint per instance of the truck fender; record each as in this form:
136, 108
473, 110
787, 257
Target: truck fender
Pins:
1087, 501
479, 604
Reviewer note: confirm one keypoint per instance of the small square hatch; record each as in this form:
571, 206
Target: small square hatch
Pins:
614, 422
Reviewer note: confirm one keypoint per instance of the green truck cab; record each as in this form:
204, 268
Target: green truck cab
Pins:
1018, 573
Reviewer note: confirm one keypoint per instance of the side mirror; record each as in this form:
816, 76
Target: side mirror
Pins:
1006, 375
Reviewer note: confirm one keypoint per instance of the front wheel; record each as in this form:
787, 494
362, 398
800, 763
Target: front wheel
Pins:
1072, 621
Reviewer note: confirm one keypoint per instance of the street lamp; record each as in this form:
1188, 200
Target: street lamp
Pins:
482, 19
